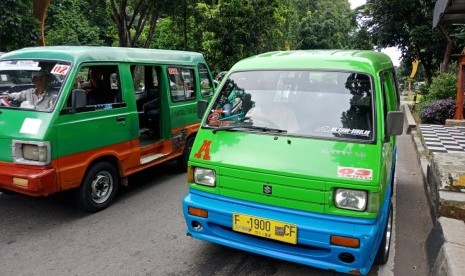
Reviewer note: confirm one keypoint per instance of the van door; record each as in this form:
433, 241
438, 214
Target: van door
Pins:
183, 107
102, 126
149, 99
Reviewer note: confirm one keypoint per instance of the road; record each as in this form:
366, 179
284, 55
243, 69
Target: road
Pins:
143, 233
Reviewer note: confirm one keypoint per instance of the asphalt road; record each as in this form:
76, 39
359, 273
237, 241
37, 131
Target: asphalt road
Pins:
143, 233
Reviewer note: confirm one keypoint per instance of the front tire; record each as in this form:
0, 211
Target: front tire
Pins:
383, 252
99, 187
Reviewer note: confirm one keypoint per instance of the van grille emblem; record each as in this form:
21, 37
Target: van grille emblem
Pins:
267, 189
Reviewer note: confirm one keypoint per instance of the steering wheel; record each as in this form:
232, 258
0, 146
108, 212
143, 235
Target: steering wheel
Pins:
265, 121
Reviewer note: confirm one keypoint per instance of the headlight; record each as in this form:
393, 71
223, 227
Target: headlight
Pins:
31, 152
351, 199
205, 177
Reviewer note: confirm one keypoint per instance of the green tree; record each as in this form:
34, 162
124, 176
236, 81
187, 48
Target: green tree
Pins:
18, 28
68, 23
235, 29
328, 26
134, 17
407, 25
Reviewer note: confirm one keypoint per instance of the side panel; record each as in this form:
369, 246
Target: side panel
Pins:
87, 133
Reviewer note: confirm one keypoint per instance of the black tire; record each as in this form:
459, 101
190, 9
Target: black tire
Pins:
99, 187
184, 158
383, 252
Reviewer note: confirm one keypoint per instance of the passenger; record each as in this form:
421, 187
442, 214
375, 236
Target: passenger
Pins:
40, 97
79, 82
95, 87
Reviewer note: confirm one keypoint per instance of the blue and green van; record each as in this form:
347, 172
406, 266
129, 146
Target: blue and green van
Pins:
295, 159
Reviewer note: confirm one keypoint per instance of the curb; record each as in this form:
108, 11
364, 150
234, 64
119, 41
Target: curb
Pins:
445, 247
411, 124
445, 244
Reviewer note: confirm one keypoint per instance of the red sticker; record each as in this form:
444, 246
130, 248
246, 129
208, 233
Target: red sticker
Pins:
173, 71
60, 69
358, 173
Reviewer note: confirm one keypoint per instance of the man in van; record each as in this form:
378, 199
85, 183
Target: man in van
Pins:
39, 97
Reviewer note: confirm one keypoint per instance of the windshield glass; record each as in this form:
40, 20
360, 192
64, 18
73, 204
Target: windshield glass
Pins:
31, 84
308, 103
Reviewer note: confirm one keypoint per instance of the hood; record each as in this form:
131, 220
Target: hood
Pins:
308, 158
21, 125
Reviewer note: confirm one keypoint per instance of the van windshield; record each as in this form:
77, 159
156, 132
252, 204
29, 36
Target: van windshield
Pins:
31, 84
325, 104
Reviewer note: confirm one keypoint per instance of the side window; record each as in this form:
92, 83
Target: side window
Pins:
387, 102
206, 85
384, 88
138, 78
102, 86
396, 87
182, 83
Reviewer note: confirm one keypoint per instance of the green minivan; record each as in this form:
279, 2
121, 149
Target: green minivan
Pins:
84, 118
295, 159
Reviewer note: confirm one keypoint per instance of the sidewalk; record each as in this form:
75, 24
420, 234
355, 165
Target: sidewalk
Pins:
441, 154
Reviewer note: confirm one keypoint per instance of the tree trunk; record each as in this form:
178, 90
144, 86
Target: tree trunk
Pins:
445, 64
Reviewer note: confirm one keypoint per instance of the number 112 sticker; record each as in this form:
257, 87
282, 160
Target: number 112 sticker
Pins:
358, 173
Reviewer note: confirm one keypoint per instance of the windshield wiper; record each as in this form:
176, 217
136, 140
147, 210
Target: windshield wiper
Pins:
264, 129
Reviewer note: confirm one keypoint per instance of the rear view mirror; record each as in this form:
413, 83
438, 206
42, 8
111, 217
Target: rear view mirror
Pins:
201, 108
394, 123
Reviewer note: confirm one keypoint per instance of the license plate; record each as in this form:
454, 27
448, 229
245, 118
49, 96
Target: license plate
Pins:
266, 228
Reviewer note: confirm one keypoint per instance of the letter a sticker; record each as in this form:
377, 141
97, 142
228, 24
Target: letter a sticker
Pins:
205, 149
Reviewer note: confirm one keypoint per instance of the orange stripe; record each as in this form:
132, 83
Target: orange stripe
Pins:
67, 172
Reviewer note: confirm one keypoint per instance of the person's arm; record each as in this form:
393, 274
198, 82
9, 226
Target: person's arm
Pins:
19, 96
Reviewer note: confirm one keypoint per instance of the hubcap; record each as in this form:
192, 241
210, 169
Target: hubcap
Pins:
388, 233
102, 186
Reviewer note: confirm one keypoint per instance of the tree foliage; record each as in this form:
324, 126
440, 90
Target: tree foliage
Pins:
18, 28
327, 26
228, 30
407, 25
131, 18
66, 25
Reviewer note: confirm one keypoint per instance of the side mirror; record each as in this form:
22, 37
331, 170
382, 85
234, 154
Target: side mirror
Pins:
394, 123
201, 108
78, 99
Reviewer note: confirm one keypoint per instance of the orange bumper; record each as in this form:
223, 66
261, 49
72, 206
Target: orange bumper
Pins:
29, 180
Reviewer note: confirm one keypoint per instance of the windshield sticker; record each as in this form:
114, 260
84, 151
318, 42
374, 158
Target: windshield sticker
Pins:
19, 65
173, 71
60, 69
358, 173
205, 149
30, 126
342, 130
343, 152
214, 119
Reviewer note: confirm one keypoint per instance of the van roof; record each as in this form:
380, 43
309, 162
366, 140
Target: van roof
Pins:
79, 54
352, 60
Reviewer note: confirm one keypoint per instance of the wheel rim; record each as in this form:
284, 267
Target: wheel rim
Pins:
388, 234
101, 187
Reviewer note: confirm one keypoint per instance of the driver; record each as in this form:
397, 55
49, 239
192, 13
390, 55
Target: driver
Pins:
39, 97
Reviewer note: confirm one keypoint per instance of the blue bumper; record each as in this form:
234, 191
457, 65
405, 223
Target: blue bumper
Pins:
313, 246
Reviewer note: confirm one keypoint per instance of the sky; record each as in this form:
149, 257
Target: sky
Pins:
392, 52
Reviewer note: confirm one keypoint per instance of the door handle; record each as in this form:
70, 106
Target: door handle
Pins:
120, 119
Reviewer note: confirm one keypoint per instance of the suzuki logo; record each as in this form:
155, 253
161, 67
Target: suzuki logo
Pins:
267, 189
